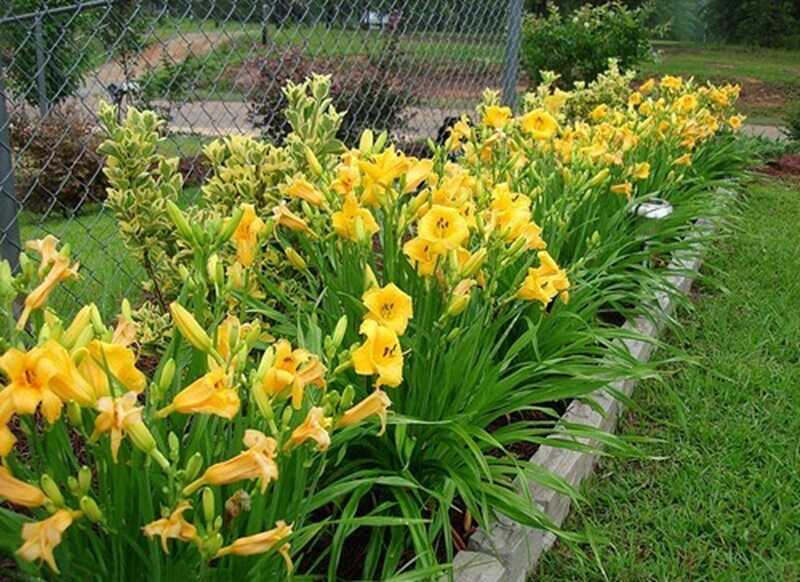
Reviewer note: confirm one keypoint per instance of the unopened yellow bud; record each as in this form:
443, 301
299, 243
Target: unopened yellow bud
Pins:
189, 328
74, 414
370, 280
85, 479
313, 162
167, 375
295, 259
366, 142
474, 263
339, 331
262, 401
599, 178
193, 466
230, 225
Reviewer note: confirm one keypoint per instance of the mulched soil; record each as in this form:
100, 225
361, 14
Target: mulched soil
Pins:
787, 166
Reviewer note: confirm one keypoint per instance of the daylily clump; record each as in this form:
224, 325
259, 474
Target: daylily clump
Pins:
332, 331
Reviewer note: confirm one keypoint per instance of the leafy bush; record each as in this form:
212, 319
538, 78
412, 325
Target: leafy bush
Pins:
58, 166
372, 96
793, 122
577, 46
311, 402
770, 23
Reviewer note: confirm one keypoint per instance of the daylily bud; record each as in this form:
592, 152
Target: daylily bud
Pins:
189, 327
85, 479
52, 491
183, 273
212, 270
86, 335
266, 362
74, 414
286, 417
179, 220
174, 446
381, 141
97, 320
262, 401
313, 162
339, 331
6, 280
229, 226
370, 280
295, 259
208, 504
599, 178
366, 142
89, 508
474, 263
126, 309
167, 375
193, 466
348, 394
73, 486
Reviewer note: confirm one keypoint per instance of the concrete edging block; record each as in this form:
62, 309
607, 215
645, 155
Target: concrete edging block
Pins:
511, 551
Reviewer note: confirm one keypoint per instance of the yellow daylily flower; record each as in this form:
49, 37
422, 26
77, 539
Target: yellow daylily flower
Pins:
648, 86
419, 171
539, 124
257, 462
736, 121
421, 254
44, 375
378, 175
684, 160
292, 370
124, 332
598, 112
641, 171
46, 247
315, 427
635, 99
262, 542
444, 227
301, 188
543, 283
104, 358
245, 237
347, 177
285, 217
19, 492
555, 102
496, 116
376, 403
389, 306
671, 83
459, 132
121, 417
625, 188
686, 104
174, 526
41, 537
60, 271
209, 394
353, 221
380, 355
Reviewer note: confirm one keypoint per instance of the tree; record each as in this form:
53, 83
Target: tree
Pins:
771, 23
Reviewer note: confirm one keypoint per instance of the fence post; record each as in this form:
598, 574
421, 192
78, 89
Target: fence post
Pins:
41, 84
511, 68
9, 229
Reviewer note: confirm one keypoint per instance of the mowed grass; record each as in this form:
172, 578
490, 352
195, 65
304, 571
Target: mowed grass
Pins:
724, 503
770, 77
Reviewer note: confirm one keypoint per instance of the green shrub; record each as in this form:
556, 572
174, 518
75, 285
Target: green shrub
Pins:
373, 96
579, 45
792, 130
58, 168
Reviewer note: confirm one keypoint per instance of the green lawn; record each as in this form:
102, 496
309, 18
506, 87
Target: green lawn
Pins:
770, 77
724, 503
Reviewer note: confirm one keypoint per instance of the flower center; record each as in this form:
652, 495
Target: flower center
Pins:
442, 225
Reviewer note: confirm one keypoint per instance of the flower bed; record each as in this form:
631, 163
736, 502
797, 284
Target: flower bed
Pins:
345, 349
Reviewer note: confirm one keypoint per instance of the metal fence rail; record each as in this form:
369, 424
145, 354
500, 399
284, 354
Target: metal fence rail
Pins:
212, 68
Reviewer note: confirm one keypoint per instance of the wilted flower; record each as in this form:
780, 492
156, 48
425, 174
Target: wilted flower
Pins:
245, 237
376, 403
315, 427
174, 526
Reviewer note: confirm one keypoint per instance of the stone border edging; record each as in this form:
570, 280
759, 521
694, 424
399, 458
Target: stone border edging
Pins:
509, 552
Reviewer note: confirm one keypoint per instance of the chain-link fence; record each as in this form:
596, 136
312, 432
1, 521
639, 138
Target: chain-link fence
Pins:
213, 68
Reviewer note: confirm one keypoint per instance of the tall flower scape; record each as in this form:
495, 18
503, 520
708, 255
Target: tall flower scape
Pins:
341, 348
